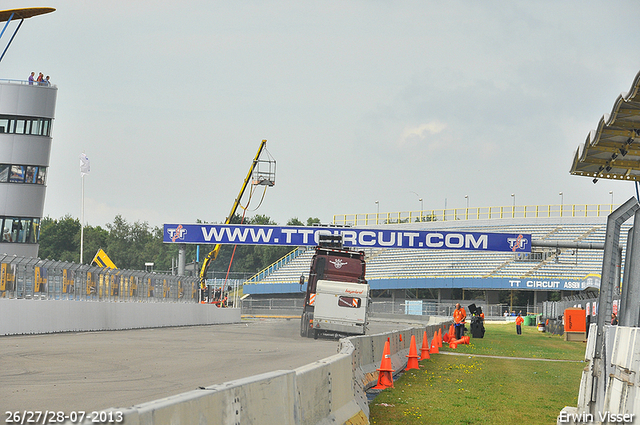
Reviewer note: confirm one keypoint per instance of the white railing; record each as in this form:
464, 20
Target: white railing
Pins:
478, 213
26, 83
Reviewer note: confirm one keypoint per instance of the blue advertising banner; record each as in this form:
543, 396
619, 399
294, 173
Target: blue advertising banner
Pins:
236, 234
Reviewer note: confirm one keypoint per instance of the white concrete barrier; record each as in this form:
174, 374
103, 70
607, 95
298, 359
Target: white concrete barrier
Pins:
238, 402
19, 316
329, 391
621, 400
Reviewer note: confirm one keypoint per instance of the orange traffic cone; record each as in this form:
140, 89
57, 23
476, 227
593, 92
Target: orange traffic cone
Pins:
464, 340
385, 375
400, 337
452, 332
412, 363
424, 351
434, 344
453, 345
440, 338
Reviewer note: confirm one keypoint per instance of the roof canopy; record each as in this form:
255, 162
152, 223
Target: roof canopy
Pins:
24, 13
612, 151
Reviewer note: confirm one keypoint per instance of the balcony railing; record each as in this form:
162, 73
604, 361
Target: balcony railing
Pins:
25, 83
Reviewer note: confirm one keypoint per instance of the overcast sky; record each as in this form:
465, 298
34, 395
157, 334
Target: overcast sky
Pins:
360, 101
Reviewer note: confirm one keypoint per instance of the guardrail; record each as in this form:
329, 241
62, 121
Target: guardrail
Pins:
478, 213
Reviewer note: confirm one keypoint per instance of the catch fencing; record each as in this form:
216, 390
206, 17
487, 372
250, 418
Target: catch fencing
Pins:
34, 278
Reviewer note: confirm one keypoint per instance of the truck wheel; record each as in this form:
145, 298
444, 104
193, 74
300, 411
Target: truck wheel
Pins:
315, 334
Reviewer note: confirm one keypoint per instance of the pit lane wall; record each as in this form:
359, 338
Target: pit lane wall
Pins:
19, 316
620, 402
329, 391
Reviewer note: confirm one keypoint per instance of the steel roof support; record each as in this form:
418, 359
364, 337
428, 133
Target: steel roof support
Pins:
12, 37
629, 314
7, 24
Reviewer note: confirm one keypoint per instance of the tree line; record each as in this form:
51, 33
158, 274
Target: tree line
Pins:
131, 245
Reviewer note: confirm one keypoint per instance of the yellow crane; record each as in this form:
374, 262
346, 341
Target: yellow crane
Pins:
261, 173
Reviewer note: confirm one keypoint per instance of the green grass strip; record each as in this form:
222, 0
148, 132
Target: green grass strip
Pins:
473, 389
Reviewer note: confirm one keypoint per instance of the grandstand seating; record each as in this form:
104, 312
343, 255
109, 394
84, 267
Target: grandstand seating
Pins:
553, 263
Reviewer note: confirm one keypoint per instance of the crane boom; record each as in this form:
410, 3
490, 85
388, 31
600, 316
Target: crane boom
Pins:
211, 256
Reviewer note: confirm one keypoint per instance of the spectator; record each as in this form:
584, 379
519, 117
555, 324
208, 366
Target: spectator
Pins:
614, 319
6, 235
40, 78
32, 78
46, 81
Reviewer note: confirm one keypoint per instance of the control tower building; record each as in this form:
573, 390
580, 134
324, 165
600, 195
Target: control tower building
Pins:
27, 111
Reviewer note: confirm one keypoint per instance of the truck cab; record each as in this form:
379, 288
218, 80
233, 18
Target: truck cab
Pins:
337, 295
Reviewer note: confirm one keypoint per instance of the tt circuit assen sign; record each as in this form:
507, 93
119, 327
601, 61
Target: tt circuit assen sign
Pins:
351, 237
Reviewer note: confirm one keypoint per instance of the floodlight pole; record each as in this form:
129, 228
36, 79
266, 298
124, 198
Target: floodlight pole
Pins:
561, 203
82, 221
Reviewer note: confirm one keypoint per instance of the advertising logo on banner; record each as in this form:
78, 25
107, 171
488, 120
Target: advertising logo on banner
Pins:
351, 237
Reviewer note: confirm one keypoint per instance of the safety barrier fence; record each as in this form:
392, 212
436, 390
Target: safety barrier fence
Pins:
555, 309
478, 213
332, 390
33, 278
445, 308
397, 307
552, 312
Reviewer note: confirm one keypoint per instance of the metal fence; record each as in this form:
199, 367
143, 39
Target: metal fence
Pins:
398, 307
587, 301
445, 308
273, 304
33, 278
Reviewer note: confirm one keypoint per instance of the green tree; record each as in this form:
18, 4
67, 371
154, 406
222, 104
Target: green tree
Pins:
60, 239
127, 243
313, 220
94, 239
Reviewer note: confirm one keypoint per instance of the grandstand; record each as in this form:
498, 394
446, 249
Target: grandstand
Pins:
433, 268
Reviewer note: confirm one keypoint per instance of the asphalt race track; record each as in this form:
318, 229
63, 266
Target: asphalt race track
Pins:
95, 370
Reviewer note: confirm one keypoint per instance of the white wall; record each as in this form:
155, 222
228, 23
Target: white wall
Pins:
46, 316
